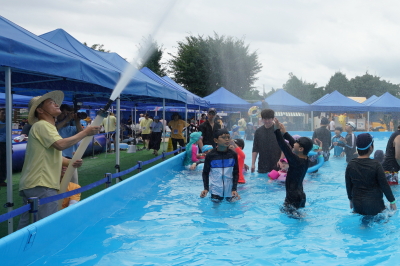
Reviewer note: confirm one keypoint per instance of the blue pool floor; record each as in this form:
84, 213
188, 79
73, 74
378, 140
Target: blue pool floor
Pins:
169, 224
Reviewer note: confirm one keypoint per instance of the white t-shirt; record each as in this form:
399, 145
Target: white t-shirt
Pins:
332, 125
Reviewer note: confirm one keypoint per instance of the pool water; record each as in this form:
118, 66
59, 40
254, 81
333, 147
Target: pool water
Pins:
169, 224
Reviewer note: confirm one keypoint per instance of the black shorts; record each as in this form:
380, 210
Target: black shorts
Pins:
145, 136
217, 198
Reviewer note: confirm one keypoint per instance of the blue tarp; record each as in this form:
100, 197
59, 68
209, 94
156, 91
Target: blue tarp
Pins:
192, 99
200, 101
337, 102
370, 99
385, 103
222, 99
140, 85
283, 101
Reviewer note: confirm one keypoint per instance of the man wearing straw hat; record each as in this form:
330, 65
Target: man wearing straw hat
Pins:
40, 176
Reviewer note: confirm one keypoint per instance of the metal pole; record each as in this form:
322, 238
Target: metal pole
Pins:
368, 123
135, 125
187, 126
199, 116
312, 120
164, 123
10, 202
132, 122
107, 134
116, 141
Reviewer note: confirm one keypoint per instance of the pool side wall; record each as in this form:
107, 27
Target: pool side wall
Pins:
55, 232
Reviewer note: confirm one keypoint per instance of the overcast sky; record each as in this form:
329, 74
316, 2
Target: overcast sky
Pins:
312, 39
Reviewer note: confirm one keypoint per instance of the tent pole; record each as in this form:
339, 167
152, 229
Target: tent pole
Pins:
312, 120
186, 121
135, 125
368, 122
132, 122
199, 116
116, 140
164, 124
9, 203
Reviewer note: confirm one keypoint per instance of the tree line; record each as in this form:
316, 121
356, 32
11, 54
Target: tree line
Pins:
359, 86
203, 64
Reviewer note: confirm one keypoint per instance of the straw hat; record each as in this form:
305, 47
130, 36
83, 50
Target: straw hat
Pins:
57, 96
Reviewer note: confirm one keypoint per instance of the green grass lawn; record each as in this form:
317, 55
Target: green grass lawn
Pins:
91, 171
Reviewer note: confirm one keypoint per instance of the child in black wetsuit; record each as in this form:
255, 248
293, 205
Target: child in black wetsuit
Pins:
366, 181
298, 165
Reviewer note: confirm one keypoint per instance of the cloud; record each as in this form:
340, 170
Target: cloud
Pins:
312, 39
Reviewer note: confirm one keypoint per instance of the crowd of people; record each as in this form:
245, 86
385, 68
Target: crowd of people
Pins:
290, 157
54, 130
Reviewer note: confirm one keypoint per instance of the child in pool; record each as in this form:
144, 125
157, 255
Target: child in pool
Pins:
337, 150
206, 149
237, 146
249, 132
191, 149
235, 132
298, 165
221, 170
281, 174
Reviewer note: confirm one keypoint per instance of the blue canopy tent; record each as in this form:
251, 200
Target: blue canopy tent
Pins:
222, 99
33, 66
370, 99
283, 101
61, 38
337, 102
386, 103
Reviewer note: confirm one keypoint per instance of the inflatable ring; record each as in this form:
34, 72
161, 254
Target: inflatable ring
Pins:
318, 165
254, 111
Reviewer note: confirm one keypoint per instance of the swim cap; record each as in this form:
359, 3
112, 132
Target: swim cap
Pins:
235, 128
206, 148
156, 117
351, 124
195, 136
364, 141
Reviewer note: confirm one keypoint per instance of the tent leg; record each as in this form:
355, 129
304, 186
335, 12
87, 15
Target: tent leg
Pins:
163, 110
9, 203
186, 121
312, 120
116, 140
368, 122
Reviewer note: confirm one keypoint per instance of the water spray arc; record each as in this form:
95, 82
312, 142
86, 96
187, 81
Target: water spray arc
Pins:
122, 83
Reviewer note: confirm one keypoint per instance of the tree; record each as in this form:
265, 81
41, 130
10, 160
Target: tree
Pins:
340, 83
307, 92
151, 55
98, 47
368, 85
204, 64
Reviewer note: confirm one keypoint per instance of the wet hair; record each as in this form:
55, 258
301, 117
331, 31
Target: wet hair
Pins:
267, 113
339, 128
240, 143
2, 109
220, 132
363, 152
146, 114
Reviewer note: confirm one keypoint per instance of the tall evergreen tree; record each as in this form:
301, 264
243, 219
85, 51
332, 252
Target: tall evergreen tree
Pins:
204, 64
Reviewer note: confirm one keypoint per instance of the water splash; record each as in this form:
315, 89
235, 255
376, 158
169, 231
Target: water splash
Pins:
142, 55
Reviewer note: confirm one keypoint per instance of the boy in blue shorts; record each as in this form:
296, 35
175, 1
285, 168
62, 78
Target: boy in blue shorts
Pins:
337, 150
